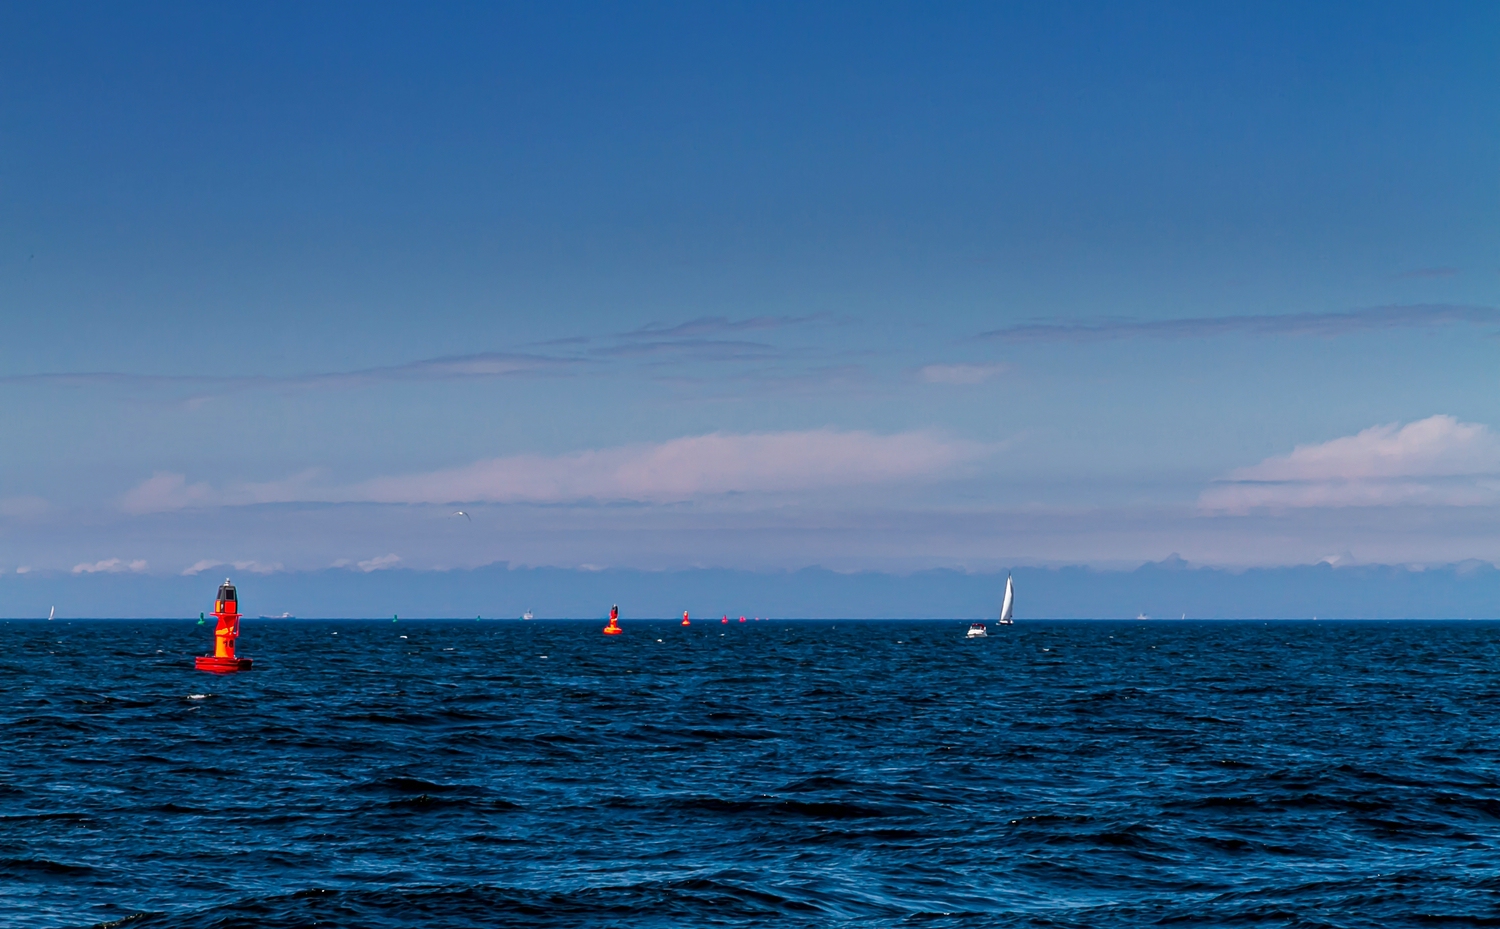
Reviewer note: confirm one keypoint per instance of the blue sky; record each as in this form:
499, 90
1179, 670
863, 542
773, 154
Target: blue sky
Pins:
877, 287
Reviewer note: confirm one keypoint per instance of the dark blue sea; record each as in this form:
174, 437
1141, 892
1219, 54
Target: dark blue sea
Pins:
469, 774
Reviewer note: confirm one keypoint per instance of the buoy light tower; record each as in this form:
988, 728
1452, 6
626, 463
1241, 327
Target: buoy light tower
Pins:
227, 612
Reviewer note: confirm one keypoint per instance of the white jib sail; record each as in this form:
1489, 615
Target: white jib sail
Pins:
1010, 597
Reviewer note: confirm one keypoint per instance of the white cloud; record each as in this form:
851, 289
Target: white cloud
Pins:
24, 569
1437, 461
454, 367
677, 470
111, 566
254, 567
683, 469
379, 564
959, 373
1371, 319
165, 491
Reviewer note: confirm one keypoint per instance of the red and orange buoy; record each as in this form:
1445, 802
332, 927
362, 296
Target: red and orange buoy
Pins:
227, 612
614, 622
684, 619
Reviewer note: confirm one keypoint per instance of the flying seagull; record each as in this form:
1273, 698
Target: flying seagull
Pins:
463, 514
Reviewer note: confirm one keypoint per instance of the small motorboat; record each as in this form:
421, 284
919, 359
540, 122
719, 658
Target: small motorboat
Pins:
527, 615
976, 631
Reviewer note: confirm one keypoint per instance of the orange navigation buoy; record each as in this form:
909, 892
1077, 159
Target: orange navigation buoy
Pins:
614, 622
685, 619
227, 612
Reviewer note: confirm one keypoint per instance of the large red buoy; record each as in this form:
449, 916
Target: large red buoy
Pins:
614, 622
227, 612
685, 619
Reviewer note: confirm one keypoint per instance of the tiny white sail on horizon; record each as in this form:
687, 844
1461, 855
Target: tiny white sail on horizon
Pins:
51, 613
1010, 599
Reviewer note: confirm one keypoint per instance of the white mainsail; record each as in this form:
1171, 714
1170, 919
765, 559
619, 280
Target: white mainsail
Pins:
1010, 598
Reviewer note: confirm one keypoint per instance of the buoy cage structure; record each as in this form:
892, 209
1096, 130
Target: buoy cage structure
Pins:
227, 612
614, 621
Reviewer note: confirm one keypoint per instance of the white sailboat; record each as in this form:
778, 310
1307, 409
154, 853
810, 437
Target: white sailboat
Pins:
51, 614
1010, 600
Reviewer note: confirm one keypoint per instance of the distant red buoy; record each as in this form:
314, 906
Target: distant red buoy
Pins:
742, 619
724, 620
614, 622
685, 619
227, 612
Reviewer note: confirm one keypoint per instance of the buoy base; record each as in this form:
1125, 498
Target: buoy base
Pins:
216, 665
613, 630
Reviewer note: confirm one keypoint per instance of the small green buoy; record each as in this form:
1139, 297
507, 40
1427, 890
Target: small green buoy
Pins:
200, 619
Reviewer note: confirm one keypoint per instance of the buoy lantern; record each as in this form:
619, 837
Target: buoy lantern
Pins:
227, 612
614, 622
